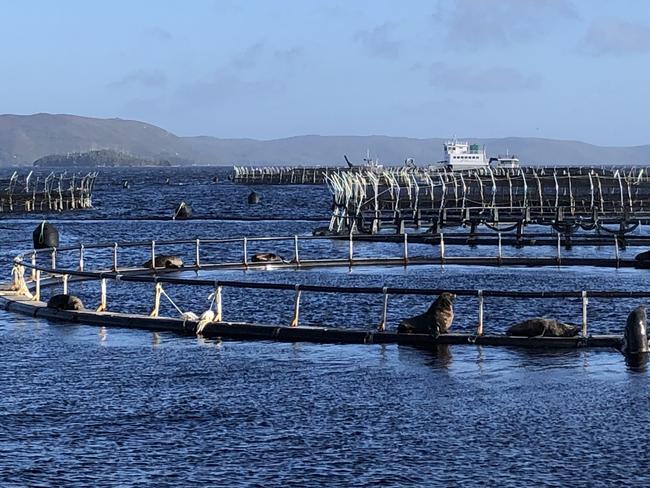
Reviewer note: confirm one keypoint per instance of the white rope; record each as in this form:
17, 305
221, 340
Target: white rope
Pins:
19, 284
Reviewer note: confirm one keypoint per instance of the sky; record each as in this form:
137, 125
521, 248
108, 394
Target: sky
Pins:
566, 69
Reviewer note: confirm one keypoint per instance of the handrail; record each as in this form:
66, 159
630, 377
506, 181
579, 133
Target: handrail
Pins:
159, 276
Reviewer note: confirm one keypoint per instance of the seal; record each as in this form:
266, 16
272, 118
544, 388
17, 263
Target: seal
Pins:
164, 261
541, 327
65, 302
253, 198
183, 211
436, 320
635, 336
266, 257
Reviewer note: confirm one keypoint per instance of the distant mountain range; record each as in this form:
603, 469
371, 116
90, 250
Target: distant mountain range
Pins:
25, 138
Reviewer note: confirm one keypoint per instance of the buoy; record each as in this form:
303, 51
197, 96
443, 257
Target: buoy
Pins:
183, 211
45, 235
253, 198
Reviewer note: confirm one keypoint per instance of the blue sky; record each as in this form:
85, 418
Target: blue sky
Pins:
564, 69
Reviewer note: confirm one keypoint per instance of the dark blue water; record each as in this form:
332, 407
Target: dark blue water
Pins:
83, 405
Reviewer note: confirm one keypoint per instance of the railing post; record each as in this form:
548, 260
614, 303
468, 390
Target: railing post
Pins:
350, 250
442, 248
153, 254
500, 249
157, 291
81, 257
479, 329
617, 252
295, 249
585, 301
34, 266
296, 307
197, 256
37, 294
218, 304
54, 258
64, 278
102, 295
406, 249
245, 242
559, 249
384, 313
115, 257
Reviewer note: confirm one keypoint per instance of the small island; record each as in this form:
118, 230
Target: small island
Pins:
99, 158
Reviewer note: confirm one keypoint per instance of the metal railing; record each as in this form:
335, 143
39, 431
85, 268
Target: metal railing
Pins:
159, 276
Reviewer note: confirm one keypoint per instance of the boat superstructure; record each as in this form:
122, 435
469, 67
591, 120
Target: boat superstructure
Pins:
509, 161
461, 155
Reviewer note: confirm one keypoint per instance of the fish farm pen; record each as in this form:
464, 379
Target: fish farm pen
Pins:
286, 175
52, 192
567, 199
52, 270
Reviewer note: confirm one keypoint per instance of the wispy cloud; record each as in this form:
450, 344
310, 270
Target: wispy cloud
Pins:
379, 41
483, 23
470, 79
615, 36
161, 34
248, 58
289, 55
147, 78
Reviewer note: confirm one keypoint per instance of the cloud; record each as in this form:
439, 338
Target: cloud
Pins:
248, 58
161, 34
288, 55
471, 79
378, 41
615, 36
473, 24
146, 78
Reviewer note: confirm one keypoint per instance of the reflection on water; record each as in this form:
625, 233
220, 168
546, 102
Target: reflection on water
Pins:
637, 362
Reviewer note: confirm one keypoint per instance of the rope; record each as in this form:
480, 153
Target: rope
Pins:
19, 284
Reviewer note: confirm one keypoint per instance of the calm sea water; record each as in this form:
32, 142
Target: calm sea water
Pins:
83, 405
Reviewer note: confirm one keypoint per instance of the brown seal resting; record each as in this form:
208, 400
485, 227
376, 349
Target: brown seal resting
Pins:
542, 327
65, 302
164, 261
266, 257
436, 320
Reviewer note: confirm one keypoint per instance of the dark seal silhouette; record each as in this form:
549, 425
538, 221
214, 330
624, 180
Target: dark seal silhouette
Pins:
164, 261
436, 320
266, 257
65, 302
183, 211
45, 235
253, 198
541, 327
635, 337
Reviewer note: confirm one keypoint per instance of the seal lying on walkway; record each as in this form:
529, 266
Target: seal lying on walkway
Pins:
635, 337
540, 327
437, 320
65, 302
266, 257
164, 261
